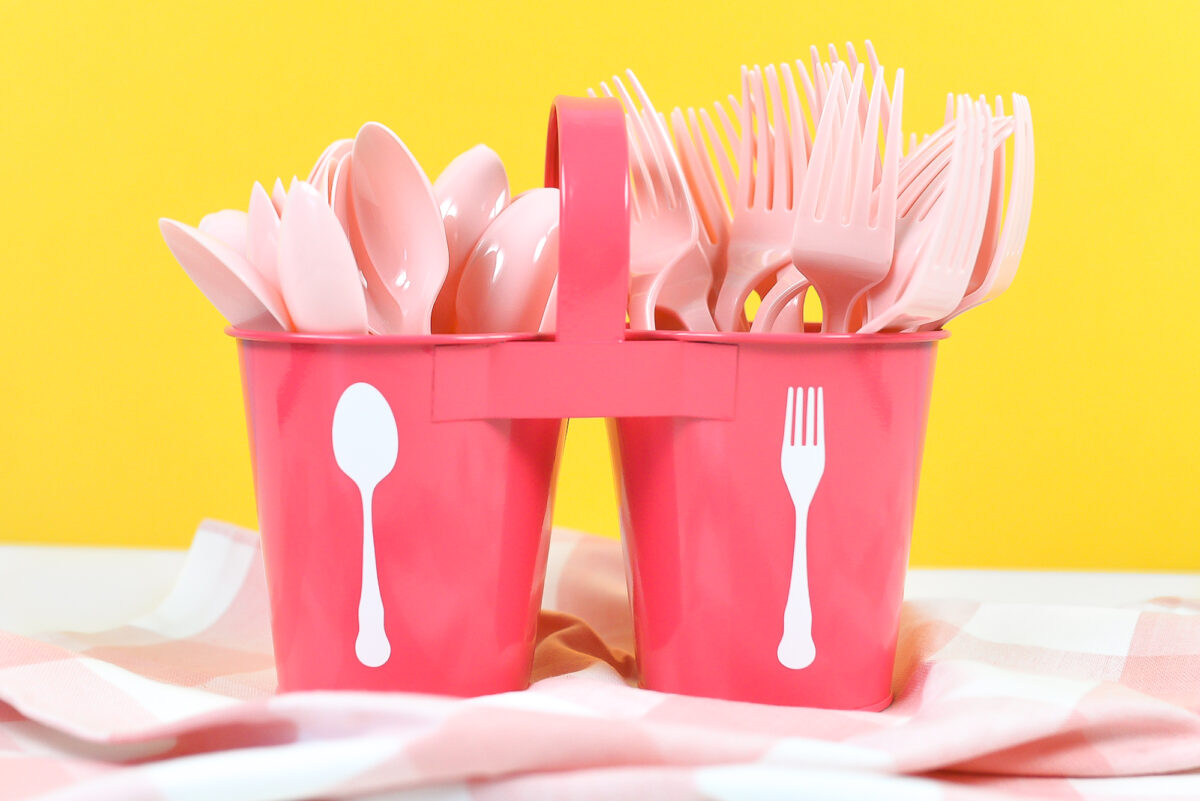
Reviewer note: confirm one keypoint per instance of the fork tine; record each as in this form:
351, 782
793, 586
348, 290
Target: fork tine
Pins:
1023, 162
814, 109
643, 193
781, 144
885, 214
1016, 216
699, 171
839, 91
819, 165
710, 174
745, 151
736, 105
797, 140
838, 201
950, 203
980, 190
819, 78
958, 183
851, 56
864, 179
820, 417
645, 199
763, 157
949, 107
810, 417
852, 65
982, 273
876, 73
787, 417
728, 177
661, 141
659, 169
642, 188
872, 59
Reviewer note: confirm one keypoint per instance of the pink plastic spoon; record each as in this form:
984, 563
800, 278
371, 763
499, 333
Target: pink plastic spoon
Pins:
507, 280
227, 279
227, 226
401, 226
278, 196
317, 274
329, 158
550, 315
383, 315
339, 192
262, 240
471, 191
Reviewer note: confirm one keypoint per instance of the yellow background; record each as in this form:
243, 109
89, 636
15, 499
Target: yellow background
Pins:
1064, 429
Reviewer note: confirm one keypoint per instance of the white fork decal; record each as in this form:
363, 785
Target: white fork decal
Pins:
802, 462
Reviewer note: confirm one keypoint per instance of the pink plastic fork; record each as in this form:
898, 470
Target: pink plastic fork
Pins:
845, 226
706, 192
669, 271
999, 262
932, 270
772, 160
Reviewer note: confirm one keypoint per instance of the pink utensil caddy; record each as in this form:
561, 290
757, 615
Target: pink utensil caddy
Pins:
712, 498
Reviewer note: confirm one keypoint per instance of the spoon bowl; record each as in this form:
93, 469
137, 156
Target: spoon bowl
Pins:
471, 191
317, 272
507, 280
400, 223
366, 444
227, 279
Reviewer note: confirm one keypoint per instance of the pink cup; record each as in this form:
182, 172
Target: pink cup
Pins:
461, 523
711, 528
445, 592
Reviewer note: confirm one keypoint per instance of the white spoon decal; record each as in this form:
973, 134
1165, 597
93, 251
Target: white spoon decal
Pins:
365, 445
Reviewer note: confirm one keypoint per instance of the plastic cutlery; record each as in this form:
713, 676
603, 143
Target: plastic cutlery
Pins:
668, 268
782, 308
932, 271
227, 226
339, 193
227, 279
692, 146
845, 225
401, 227
262, 240
508, 278
383, 315
771, 160
366, 444
317, 274
278, 196
323, 169
1000, 259
471, 191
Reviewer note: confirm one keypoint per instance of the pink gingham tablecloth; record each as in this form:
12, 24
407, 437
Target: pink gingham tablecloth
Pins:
993, 701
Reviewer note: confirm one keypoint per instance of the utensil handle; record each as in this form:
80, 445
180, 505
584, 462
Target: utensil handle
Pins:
796, 648
371, 646
587, 159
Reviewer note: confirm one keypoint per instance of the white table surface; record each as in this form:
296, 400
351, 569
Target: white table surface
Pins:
48, 588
